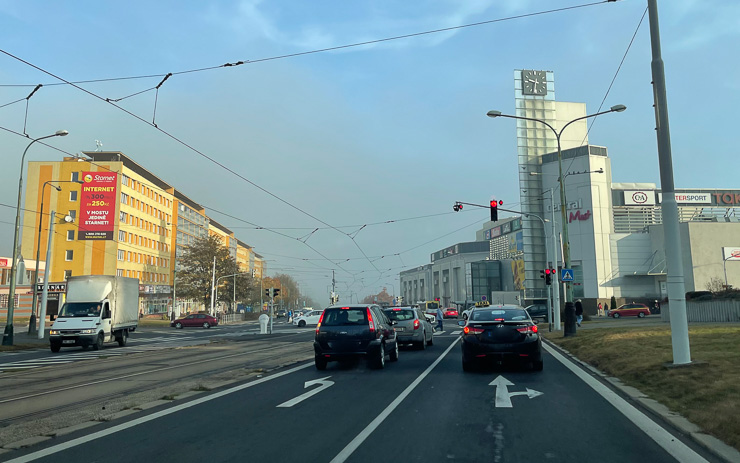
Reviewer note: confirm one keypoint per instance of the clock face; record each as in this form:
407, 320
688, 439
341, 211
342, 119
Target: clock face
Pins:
534, 83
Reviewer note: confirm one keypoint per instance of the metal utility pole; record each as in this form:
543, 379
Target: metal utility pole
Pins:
213, 286
669, 208
45, 292
556, 285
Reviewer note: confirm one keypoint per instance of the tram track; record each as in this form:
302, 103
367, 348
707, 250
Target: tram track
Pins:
66, 392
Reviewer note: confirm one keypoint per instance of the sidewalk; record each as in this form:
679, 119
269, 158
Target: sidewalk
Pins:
21, 338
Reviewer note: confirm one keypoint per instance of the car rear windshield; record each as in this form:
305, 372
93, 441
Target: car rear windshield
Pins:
400, 314
340, 317
489, 315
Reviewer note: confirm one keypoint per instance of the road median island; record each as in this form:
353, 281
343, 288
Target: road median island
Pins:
639, 359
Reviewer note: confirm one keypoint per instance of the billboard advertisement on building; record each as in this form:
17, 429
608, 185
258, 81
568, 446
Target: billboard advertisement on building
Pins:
97, 205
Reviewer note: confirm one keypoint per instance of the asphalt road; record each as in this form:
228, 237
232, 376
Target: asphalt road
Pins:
421, 408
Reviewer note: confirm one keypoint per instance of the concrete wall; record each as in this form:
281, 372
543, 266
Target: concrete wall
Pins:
706, 241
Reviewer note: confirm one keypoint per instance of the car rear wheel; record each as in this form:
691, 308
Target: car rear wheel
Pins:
301, 323
431, 340
178, 325
641, 315
123, 338
320, 363
423, 344
616, 315
206, 325
379, 361
393, 356
537, 366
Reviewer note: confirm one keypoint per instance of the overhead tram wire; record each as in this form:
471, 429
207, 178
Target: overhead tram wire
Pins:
185, 144
608, 90
335, 262
323, 50
223, 166
164, 191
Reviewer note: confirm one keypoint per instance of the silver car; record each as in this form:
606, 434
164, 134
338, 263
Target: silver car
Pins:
412, 326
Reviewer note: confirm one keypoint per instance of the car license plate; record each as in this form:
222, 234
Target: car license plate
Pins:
400, 328
68, 341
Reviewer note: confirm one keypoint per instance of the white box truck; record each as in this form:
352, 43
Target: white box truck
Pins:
98, 309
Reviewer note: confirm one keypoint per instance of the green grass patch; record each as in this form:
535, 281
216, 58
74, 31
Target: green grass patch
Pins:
706, 393
19, 347
153, 322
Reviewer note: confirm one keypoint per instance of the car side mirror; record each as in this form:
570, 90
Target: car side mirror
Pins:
461, 323
393, 322
536, 322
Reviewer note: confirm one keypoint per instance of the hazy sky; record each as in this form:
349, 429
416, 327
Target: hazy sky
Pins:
395, 130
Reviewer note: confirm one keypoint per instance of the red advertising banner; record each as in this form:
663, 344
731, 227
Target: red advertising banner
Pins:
97, 205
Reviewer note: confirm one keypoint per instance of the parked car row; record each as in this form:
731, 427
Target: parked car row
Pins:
368, 331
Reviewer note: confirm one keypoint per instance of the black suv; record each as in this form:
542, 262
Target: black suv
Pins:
355, 330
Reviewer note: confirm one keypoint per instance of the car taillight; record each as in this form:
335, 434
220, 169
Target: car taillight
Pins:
370, 320
471, 330
417, 324
321, 319
532, 329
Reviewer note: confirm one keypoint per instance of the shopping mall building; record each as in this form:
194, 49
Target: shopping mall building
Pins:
615, 229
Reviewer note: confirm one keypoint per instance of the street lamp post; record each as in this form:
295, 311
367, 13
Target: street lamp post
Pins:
724, 267
563, 204
8, 334
227, 276
32, 321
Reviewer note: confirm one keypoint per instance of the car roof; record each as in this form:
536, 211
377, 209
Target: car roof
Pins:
500, 307
351, 306
400, 307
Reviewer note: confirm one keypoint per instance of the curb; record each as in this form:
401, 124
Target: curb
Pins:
686, 427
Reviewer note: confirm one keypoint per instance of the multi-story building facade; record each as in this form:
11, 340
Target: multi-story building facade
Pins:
121, 220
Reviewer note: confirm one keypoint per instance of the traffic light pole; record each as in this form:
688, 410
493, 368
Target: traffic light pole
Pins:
547, 251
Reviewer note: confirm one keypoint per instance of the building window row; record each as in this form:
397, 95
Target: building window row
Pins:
147, 191
139, 258
146, 277
139, 240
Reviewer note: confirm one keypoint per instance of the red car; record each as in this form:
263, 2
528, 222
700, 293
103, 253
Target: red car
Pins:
450, 312
633, 309
195, 319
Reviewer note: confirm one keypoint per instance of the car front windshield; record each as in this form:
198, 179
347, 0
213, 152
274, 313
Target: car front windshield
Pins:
80, 309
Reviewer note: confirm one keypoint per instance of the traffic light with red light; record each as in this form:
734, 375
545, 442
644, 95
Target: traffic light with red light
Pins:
549, 272
494, 209
457, 207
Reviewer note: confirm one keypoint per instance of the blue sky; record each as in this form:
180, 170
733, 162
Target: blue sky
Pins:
388, 131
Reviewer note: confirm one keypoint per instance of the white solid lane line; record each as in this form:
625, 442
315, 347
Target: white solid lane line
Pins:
121, 427
365, 433
677, 449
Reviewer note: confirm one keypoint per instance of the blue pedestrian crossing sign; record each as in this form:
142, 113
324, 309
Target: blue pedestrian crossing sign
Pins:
566, 274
